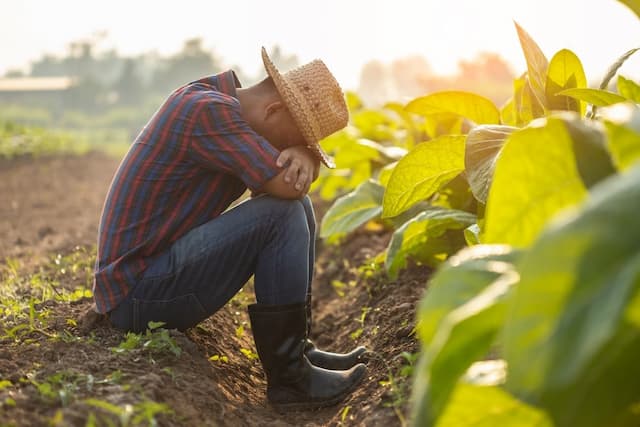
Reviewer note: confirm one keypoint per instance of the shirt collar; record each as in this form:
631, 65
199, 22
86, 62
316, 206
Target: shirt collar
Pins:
228, 82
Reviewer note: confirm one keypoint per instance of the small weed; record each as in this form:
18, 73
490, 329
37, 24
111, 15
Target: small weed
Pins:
219, 358
249, 354
240, 331
141, 413
155, 340
344, 413
363, 315
399, 385
62, 385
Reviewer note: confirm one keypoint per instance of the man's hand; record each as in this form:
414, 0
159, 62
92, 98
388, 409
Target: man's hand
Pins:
303, 167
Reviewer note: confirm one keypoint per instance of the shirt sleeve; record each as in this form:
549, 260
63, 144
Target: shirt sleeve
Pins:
223, 141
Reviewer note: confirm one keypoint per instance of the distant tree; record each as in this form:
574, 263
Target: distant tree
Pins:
376, 85
191, 63
49, 66
409, 75
129, 87
14, 73
487, 74
283, 61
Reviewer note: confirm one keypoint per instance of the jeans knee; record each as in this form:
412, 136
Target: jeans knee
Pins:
290, 213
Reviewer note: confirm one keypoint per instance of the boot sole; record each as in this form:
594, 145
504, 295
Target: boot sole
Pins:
307, 406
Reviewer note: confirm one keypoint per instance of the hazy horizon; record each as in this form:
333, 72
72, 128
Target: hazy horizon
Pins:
344, 35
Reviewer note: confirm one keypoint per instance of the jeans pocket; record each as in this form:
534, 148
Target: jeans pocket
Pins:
180, 313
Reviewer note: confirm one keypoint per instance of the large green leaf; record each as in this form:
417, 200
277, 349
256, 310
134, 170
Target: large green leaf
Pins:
634, 5
568, 341
629, 89
537, 64
535, 177
353, 152
422, 172
508, 112
483, 146
526, 105
480, 406
416, 237
597, 97
622, 122
353, 210
474, 107
460, 279
589, 147
565, 72
375, 125
458, 319
439, 124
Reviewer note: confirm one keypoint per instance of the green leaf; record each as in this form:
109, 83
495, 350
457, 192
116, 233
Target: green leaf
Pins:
629, 89
613, 69
508, 113
354, 152
422, 172
622, 122
415, 237
106, 406
537, 64
589, 147
354, 103
479, 406
385, 173
535, 177
388, 153
568, 342
597, 97
439, 124
483, 146
634, 5
458, 319
472, 235
474, 107
565, 72
374, 124
460, 279
526, 105
353, 210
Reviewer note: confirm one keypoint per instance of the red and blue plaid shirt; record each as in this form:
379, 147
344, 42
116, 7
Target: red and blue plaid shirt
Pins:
192, 160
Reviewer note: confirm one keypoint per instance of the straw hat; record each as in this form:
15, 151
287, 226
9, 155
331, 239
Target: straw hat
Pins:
314, 99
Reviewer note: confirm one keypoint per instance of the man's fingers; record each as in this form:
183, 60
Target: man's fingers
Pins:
303, 178
283, 158
292, 171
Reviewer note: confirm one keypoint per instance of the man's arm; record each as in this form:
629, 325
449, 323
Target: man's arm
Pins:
294, 181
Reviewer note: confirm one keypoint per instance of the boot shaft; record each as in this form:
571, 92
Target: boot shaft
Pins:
280, 333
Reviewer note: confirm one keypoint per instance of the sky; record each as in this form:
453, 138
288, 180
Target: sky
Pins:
344, 33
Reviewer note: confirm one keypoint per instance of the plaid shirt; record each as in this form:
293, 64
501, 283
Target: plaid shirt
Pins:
192, 160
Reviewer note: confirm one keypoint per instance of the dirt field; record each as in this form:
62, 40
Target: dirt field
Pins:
51, 206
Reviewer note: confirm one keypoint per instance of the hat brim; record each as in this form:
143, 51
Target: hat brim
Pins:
299, 109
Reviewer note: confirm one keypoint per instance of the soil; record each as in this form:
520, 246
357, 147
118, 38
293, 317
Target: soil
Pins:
52, 205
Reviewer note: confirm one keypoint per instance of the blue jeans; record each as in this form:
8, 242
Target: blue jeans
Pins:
270, 238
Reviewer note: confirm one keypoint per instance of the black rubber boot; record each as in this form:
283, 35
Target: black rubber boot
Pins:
325, 359
293, 383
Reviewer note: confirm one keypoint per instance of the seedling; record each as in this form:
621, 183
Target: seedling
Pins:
155, 340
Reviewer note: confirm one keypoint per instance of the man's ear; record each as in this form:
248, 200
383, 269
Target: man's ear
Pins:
273, 108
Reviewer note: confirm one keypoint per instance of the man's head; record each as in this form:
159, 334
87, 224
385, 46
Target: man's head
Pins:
266, 112
307, 106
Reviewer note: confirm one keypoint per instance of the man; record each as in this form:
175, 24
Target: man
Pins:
168, 251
